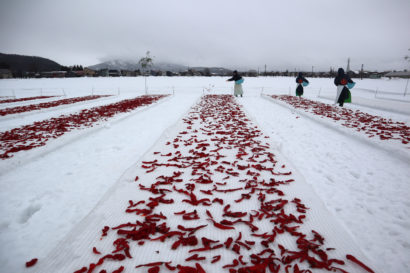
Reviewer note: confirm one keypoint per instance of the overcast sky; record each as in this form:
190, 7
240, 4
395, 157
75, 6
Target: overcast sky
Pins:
283, 34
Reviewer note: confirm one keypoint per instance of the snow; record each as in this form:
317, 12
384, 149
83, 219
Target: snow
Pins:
365, 187
46, 192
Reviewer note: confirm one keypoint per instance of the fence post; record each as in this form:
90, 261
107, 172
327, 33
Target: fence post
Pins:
318, 95
375, 94
405, 90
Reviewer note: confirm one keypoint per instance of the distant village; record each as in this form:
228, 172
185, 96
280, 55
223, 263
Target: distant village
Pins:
18, 66
79, 71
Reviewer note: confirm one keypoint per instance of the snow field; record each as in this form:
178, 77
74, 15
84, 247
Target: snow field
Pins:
45, 197
365, 188
382, 133
221, 140
371, 199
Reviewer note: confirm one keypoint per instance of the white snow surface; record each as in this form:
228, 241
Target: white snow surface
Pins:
47, 191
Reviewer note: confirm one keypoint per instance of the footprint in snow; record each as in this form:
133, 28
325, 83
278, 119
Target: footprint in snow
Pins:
28, 213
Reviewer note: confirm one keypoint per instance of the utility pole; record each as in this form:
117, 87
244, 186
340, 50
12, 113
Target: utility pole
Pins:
265, 70
348, 65
361, 73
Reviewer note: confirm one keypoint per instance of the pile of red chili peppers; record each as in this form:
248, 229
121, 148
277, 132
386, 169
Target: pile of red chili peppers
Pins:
33, 107
236, 213
37, 134
25, 99
385, 129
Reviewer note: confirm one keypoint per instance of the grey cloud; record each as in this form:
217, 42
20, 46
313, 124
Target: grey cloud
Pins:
281, 34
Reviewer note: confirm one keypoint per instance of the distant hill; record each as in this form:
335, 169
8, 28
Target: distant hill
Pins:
216, 70
21, 63
133, 65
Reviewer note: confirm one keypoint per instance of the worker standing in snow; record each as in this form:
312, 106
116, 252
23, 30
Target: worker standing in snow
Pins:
238, 91
343, 83
301, 81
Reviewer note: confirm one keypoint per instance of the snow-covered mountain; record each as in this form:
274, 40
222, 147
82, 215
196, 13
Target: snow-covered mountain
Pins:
133, 65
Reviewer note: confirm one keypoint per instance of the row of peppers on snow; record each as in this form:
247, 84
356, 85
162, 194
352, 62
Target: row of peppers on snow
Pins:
25, 99
219, 141
37, 134
45, 105
371, 125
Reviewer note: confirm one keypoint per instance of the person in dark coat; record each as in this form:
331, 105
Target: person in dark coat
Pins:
238, 91
300, 80
341, 81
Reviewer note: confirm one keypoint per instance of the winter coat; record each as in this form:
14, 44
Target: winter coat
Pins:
299, 80
342, 78
235, 76
237, 87
341, 81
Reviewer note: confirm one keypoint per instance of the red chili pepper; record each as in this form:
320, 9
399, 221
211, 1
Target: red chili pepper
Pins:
199, 268
218, 200
31, 262
155, 269
220, 226
82, 270
195, 257
95, 251
170, 267
180, 213
234, 264
119, 270
104, 231
191, 230
240, 259
151, 264
215, 259
355, 260
186, 269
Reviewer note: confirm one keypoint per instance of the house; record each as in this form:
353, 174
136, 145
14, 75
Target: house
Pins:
398, 74
114, 73
127, 73
103, 73
5, 73
89, 72
374, 75
251, 73
79, 73
53, 74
